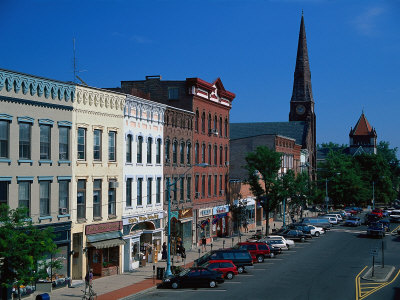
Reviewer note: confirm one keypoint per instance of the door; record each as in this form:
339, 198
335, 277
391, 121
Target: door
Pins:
77, 256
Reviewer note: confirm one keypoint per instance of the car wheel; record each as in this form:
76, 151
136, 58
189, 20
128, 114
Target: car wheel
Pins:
229, 275
260, 258
212, 284
240, 269
317, 234
288, 247
302, 240
175, 285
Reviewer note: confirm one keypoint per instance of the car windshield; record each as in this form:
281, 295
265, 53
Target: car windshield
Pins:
184, 272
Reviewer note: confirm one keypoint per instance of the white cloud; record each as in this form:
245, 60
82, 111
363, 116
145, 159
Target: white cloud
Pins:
366, 22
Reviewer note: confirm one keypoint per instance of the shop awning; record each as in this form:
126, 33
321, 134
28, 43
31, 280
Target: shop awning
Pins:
108, 243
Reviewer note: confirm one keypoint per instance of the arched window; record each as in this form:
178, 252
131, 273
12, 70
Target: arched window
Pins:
209, 154
220, 156
215, 123
129, 148
209, 123
175, 152
215, 155
203, 153
188, 153
167, 151
196, 121
196, 153
226, 155
139, 149
203, 120
182, 153
149, 152
220, 126
158, 152
226, 127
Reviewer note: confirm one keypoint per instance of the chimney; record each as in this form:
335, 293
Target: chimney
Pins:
153, 77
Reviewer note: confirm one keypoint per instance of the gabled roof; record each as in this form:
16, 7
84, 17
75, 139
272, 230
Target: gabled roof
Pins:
222, 92
362, 127
296, 130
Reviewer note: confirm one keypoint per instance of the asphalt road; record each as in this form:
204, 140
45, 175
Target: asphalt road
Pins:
323, 268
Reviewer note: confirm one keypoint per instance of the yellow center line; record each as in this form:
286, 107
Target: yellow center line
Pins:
378, 288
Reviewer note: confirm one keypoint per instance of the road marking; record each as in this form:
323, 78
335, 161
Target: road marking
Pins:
357, 282
395, 229
238, 282
380, 287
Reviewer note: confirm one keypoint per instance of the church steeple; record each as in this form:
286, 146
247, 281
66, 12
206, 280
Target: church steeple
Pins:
302, 90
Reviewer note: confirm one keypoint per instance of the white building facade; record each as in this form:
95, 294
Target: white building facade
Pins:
142, 208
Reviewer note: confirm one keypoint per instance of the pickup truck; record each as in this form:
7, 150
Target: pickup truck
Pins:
376, 229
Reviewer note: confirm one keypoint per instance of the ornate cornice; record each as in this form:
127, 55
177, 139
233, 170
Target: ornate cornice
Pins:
97, 98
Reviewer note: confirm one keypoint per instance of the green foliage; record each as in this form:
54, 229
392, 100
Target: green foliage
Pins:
332, 146
22, 246
390, 155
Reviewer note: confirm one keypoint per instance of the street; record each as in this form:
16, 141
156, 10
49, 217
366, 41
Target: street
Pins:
323, 268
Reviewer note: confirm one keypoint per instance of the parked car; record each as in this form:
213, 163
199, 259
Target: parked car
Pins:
288, 242
257, 250
336, 215
316, 231
376, 229
378, 212
386, 224
227, 267
319, 222
296, 235
395, 215
352, 221
331, 219
255, 237
301, 227
241, 258
370, 218
194, 277
275, 243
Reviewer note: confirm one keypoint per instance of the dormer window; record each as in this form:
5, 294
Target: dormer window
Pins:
173, 93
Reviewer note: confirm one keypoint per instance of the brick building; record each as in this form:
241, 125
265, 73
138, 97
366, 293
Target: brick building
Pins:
210, 103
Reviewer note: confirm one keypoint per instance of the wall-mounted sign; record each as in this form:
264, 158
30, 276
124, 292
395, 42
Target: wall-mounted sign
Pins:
144, 218
220, 209
205, 212
103, 227
185, 213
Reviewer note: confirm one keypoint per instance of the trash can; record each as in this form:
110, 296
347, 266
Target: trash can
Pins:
43, 296
160, 273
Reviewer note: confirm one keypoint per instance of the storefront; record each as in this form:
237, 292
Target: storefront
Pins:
220, 220
103, 248
204, 225
182, 222
143, 236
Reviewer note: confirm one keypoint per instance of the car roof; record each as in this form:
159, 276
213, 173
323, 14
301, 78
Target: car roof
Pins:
219, 260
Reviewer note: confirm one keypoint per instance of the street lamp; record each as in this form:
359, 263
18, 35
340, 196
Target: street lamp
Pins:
168, 271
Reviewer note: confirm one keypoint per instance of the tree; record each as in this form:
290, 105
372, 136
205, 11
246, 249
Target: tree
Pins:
262, 167
332, 146
390, 155
22, 246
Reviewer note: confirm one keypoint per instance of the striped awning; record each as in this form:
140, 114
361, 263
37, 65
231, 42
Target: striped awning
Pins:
108, 243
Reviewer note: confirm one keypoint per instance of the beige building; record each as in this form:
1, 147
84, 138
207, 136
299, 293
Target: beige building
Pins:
36, 154
97, 140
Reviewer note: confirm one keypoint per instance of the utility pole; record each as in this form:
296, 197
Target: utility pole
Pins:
326, 194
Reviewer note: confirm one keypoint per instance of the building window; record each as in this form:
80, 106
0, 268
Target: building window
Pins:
149, 152
220, 185
97, 198
220, 155
182, 153
112, 201
188, 153
81, 143
188, 188
203, 122
220, 126
215, 123
173, 93
226, 155
196, 185
81, 199
63, 196
158, 152
203, 153
215, 155
167, 153
139, 191
149, 190
182, 189
226, 127
129, 148
158, 190
4, 192
209, 185
24, 195
196, 153
196, 121
174, 152
209, 123
129, 192
63, 143
203, 185
24, 141
215, 185
97, 144
167, 187
45, 131
111, 145
209, 154
175, 181
139, 149
44, 198
4, 138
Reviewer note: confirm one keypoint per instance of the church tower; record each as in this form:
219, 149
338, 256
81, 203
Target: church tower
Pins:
302, 102
363, 137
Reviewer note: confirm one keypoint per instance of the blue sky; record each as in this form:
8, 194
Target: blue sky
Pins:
354, 50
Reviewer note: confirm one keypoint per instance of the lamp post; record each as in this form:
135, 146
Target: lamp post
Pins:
168, 271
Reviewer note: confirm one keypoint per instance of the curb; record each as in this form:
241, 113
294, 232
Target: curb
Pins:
386, 277
138, 294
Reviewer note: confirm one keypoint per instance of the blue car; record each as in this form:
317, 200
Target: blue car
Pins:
352, 221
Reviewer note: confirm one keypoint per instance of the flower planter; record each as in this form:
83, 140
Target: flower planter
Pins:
112, 270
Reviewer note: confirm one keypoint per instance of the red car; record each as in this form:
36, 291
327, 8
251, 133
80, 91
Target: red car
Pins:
377, 212
258, 251
228, 269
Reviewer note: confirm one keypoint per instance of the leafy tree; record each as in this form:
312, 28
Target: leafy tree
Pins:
262, 166
22, 246
390, 155
332, 146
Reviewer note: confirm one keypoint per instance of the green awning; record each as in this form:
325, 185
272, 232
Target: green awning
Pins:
91, 238
108, 243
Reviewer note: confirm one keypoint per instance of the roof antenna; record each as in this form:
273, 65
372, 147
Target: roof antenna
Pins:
75, 70
73, 40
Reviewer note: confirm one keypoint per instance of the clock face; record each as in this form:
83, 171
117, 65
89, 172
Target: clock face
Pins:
300, 109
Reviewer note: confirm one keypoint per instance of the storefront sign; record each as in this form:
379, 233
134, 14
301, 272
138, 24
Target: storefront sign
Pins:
139, 219
103, 227
205, 212
185, 213
220, 209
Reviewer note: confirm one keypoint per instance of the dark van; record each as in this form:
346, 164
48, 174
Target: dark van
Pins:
241, 258
318, 222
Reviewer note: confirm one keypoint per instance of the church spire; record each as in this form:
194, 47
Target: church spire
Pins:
302, 90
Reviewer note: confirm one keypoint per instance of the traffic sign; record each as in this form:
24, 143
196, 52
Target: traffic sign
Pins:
374, 252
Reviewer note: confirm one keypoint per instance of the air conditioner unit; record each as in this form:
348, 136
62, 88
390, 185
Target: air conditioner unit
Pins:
197, 194
167, 160
113, 184
63, 211
221, 192
227, 163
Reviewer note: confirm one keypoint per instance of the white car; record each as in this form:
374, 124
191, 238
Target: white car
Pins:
316, 231
332, 220
275, 243
395, 215
289, 243
338, 217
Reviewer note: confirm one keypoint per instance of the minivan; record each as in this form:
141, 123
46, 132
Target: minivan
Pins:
338, 216
319, 222
241, 258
